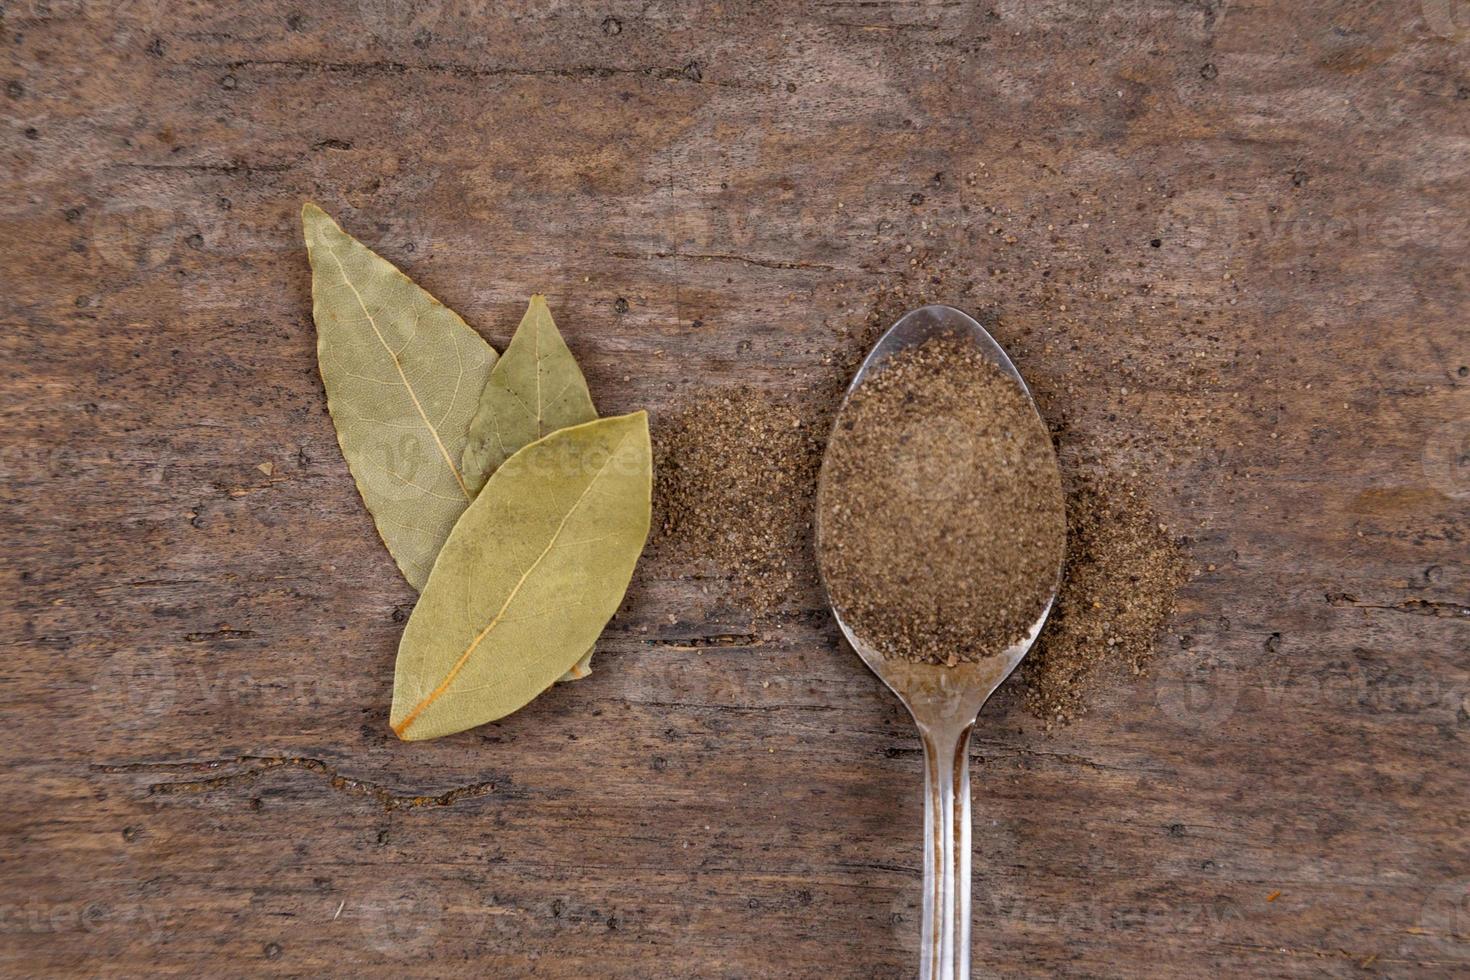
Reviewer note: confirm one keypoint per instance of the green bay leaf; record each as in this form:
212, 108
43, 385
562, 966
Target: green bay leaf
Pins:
403, 375
535, 389
528, 578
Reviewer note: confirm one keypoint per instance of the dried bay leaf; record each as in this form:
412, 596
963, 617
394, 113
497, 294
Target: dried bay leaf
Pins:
535, 389
403, 374
528, 578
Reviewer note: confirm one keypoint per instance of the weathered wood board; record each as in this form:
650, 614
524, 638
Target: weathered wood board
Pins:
1227, 242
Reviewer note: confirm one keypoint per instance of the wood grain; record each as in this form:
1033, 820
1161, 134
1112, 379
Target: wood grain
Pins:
1226, 242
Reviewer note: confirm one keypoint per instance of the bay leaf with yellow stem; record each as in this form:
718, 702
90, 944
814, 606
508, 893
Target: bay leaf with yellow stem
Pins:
527, 579
403, 375
535, 389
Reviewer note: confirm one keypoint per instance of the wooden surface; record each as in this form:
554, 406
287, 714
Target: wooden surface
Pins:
1226, 240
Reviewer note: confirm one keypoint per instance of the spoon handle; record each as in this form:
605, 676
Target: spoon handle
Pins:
944, 944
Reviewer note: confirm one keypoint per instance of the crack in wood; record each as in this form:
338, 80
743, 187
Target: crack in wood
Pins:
710, 640
224, 633
226, 169
983, 752
261, 764
360, 69
1412, 607
879, 866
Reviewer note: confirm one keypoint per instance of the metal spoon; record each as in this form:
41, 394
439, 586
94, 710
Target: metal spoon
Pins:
944, 701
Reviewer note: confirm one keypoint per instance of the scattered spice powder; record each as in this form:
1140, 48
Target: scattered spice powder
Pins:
736, 473
942, 525
1121, 576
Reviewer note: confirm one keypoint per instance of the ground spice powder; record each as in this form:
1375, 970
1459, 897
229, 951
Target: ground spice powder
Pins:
1123, 571
940, 503
736, 475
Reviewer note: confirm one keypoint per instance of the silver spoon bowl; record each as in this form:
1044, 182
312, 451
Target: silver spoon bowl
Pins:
944, 701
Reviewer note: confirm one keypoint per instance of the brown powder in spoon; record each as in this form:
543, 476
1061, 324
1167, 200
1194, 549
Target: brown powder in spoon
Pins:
940, 504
